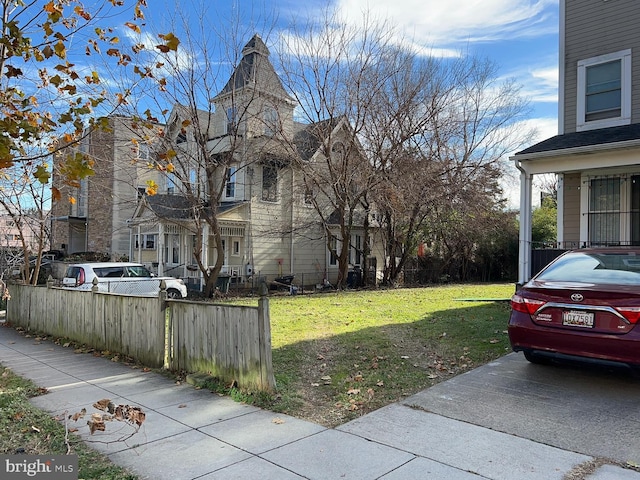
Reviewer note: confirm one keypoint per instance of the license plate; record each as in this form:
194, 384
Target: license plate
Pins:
578, 319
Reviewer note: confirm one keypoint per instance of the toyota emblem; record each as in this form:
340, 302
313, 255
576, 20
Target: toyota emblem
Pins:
577, 297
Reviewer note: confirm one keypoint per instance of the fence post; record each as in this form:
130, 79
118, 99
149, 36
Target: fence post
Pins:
264, 328
165, 316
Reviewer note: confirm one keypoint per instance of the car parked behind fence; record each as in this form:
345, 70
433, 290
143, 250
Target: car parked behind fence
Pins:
121, 277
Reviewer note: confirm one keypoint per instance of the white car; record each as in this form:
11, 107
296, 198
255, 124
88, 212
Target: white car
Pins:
121, 277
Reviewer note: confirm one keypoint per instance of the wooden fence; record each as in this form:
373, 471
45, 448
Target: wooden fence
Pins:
230, 342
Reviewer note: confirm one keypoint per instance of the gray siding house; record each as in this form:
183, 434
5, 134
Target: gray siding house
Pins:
596, 154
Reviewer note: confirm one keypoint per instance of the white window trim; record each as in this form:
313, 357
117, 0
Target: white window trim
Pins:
625, 77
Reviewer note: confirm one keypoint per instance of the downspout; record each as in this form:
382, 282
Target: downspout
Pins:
524, 242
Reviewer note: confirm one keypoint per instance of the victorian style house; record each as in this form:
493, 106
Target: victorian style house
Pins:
242, 160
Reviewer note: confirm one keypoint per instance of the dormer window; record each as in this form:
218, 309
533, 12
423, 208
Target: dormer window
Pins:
338, 149
604, 91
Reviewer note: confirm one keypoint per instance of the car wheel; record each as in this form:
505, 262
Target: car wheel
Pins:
173, 293
536, 358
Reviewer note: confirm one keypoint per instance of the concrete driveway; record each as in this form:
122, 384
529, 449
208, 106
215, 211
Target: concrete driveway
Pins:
585, 409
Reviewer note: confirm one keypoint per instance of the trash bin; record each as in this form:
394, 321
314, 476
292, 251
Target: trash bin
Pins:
222, 283
354, 278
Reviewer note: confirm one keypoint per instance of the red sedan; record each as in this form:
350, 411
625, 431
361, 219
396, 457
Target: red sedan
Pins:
585, 304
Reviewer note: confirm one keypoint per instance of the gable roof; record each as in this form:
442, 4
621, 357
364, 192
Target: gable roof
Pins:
590, 138
309, 137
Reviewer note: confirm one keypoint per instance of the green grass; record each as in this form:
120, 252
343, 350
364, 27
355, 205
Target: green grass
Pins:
31, 431
336, 356
339, 355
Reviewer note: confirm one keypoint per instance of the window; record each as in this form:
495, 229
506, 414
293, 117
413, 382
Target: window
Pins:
232, 120
338, 150
271, 121
109, 272
143, 152
333, 259
230, 187
142, 191
308, 195
604, 91
236, 247
181, 138
171, 183
604, 211
269, 183
79, 209
355, 252
172, 248
148, 241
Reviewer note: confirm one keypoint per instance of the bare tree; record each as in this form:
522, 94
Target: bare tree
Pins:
335, 73
445, 151
24, 201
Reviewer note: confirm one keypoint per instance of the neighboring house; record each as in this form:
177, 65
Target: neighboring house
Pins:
596, 155
12, 233
267, 224
93, 217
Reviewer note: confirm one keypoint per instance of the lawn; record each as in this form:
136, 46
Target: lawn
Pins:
336, 356
343, 354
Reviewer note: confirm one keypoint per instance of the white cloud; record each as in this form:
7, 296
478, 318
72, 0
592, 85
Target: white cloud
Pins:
459, 22
545, 128
542, 84
174, 61
539, 83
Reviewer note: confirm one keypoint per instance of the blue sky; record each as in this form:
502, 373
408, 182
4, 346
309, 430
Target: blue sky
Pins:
521, 36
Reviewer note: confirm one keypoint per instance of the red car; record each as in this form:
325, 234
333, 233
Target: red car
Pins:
584, 304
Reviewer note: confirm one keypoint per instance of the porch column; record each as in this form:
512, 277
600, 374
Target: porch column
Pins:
161, 247
524, 245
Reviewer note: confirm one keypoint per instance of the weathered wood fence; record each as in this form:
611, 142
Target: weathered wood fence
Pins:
230, 342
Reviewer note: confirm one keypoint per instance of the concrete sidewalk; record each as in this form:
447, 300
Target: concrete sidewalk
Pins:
190, 433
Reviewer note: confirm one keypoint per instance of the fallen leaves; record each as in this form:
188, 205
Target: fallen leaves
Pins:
123, 413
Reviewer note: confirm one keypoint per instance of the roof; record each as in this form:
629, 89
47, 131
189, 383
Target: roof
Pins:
309, 138
170, 206
180, 207
255, 70
601, 136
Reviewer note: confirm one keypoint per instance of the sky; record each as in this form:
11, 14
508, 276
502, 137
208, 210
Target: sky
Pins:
520, 36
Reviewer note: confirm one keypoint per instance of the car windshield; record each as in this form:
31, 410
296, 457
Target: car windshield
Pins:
588, 267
